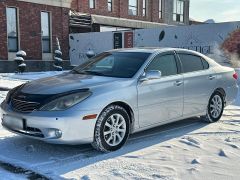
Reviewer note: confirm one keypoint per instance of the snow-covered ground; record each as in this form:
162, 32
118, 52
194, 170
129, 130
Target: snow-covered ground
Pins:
189, 149
9, 80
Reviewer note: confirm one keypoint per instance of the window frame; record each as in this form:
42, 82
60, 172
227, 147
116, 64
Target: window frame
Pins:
200, 57
144, 8
133, 7
93, 2
17, 29
178, 65
110, 2
49, 31
175, 11
160, 9
204, 60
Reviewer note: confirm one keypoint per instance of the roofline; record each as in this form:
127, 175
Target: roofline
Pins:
57, 3
150, 49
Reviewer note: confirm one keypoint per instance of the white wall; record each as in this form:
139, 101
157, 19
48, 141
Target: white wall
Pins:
81, 43
206, 39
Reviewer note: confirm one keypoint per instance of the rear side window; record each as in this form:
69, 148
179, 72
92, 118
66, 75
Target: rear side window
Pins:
164, 63
191, 63
205, 64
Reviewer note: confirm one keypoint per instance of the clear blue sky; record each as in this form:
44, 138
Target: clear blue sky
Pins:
219, 10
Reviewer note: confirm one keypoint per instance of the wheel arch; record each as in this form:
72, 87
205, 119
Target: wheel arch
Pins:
222, 92
129, 110
208, 117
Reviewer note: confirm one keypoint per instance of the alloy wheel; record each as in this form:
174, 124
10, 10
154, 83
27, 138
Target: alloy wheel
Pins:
216, 106
114, 130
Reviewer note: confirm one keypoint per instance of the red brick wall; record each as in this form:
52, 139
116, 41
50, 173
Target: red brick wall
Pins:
120, 9
3, 33
30, 28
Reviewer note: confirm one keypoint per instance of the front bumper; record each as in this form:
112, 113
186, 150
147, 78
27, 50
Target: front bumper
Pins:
62, 127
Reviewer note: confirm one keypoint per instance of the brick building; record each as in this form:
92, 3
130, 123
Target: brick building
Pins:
33, 25
101, 15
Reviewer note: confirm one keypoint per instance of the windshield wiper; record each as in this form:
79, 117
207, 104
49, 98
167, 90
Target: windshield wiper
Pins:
78, 72
94, 73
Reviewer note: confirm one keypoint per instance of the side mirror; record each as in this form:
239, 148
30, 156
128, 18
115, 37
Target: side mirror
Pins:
150, 75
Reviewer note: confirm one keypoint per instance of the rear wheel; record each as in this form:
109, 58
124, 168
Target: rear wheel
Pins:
215, 108
112, 129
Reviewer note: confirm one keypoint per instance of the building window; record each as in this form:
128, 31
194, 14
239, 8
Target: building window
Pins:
92, 4
110, 5
12, 29
160, 9
132, 7
178, 11
111, 28
144, 7
46, 32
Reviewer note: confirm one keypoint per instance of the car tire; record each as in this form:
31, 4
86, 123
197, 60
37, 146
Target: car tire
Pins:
111, 129
215, 108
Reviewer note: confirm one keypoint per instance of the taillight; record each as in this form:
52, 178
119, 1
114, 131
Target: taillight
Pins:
235, 76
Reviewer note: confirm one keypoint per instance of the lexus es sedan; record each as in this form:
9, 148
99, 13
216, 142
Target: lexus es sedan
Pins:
117, 93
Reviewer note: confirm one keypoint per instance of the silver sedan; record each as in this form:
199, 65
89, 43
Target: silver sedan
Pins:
118, 93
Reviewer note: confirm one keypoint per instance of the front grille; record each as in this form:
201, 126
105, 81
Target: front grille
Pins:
24, 106
33, 132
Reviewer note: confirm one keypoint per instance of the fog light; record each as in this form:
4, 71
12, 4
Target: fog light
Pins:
58, 133
53, 133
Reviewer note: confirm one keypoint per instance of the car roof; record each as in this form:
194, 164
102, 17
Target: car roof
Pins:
151, 50
165, 49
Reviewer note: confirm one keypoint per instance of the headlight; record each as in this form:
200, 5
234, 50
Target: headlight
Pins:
65, 102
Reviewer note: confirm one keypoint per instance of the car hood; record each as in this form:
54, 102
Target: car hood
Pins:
66, 82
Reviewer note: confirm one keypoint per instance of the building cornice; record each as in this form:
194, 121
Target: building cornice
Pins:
58, 3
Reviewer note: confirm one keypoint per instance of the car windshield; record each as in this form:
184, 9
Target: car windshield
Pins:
113, 64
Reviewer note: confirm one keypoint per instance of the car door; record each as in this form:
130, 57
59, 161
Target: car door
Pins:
161, 100
199, 83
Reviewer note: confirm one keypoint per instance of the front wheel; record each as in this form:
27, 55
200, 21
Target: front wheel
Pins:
112, 129
215, 108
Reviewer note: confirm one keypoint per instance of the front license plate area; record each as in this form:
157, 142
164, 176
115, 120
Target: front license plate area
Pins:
12, 122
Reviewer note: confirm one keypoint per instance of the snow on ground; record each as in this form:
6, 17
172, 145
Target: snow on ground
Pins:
29, 75
10, 80
189, 149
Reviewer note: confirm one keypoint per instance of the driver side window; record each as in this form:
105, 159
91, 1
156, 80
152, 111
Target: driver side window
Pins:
164, 63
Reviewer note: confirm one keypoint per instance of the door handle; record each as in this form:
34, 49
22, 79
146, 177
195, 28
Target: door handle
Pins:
211, 77
178, 83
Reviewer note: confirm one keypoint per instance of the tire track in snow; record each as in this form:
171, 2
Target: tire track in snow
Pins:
29, 174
